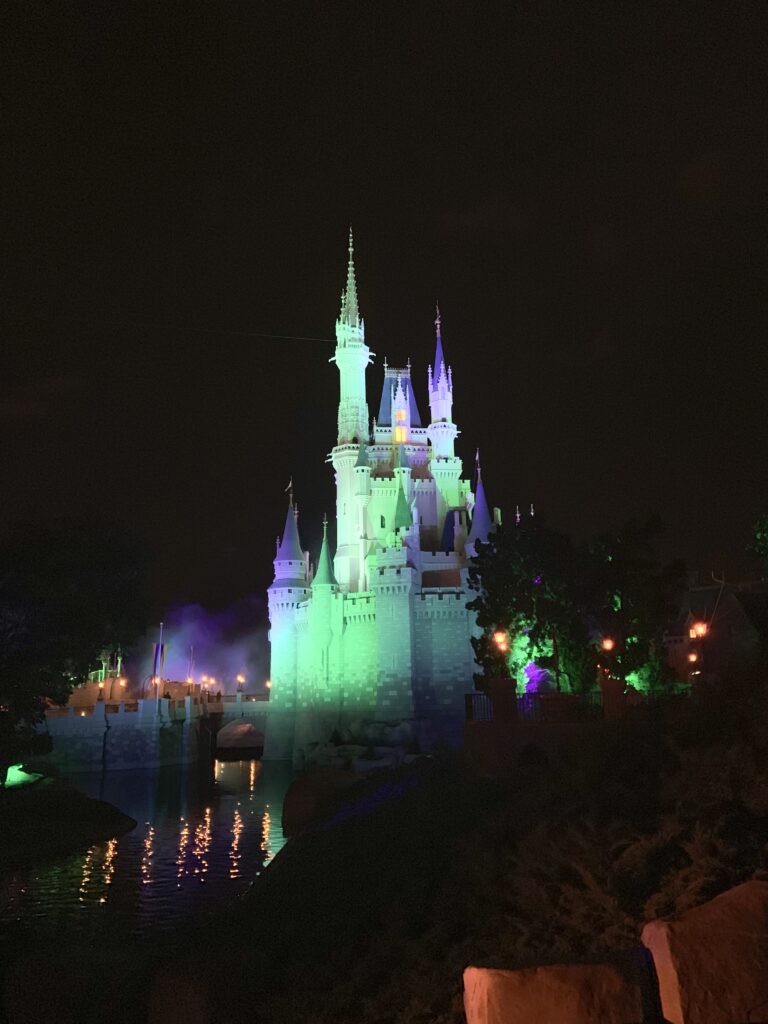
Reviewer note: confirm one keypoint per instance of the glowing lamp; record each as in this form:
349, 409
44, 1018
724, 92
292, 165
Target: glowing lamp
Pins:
698, 630
500, 639
205, 679
101, 685
123, 682
212, 681
268, 684
607, 643
693, 656
241, 678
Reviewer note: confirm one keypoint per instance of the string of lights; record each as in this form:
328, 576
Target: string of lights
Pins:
175, 328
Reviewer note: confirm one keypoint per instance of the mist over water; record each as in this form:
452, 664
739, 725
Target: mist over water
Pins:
223, 644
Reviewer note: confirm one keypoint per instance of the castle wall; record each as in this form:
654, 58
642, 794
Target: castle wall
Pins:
442, 652
358, 653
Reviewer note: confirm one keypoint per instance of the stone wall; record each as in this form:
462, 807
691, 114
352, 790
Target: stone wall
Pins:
142, 734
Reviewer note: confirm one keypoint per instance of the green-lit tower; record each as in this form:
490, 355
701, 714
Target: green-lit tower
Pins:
381, 632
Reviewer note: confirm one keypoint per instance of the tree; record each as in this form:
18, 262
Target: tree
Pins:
67, 591
759, 545
632, 598
526, 582
552, 602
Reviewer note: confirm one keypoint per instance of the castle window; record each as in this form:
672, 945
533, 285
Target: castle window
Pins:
400, 435
383, 523
400, 415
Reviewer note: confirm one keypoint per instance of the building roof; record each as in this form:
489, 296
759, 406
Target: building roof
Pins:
350, 314
362, 457
391, 376
482, 523
290, 545
448, 538
403, 518
324, 576
439, 357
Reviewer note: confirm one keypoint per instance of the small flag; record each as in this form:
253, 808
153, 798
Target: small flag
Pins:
158, 660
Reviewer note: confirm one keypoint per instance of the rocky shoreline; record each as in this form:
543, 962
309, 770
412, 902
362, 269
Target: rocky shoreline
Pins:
51, 818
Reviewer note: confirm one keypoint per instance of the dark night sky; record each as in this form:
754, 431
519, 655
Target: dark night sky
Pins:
581, 185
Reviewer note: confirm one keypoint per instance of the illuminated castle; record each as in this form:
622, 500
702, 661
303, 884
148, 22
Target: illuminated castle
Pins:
381, 630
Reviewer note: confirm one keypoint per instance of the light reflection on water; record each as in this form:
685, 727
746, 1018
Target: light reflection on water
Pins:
203, 835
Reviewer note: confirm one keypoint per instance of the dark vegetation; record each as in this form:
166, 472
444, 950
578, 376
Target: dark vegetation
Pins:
50, 818
67, 591
554, 600
374, 918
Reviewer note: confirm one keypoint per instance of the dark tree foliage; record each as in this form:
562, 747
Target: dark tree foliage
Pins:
759, 545
632, 598
526, 580
566, 598
67, 591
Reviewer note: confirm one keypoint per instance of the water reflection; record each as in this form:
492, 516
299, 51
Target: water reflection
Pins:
149, 851
217, 825
234, 852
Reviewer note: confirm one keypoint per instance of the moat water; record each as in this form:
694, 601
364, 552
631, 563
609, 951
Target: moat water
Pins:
204, 833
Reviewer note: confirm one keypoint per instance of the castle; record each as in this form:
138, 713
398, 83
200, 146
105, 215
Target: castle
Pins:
380, 631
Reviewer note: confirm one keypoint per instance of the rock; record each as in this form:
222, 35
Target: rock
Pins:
393, 754
558, 994
311, 795
712, 962
369, 764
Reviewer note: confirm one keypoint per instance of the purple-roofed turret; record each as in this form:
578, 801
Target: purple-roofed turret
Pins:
482, 521
290, 563
442, 431
440, 367
290, 545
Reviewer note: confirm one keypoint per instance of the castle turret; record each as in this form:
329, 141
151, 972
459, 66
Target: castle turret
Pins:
482, 522
324, 577
289, 587
352, 356
442, 431
362, 500
401, 411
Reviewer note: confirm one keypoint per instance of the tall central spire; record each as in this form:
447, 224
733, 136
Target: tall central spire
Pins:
439, 358
349, 310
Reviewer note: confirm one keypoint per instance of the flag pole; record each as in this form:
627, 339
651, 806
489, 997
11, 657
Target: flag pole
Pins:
159, 667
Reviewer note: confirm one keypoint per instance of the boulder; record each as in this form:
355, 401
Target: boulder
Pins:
311, 797
712, 962
370, 764
558, 994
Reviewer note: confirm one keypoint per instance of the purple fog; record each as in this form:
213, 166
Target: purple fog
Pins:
219, 644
